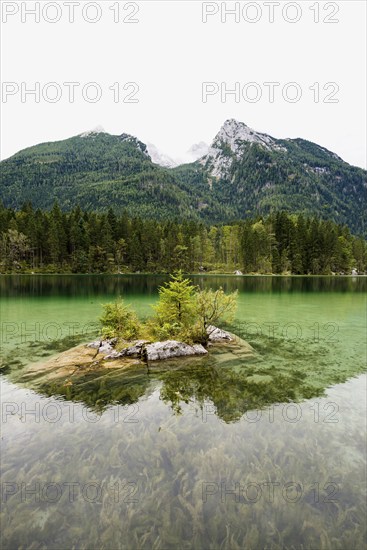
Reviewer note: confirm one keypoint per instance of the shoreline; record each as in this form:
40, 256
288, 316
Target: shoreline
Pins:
164, 274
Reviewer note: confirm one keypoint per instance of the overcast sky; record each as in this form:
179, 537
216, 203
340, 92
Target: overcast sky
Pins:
169, 52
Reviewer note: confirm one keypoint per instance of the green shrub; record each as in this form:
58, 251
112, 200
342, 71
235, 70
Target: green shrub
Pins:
120, 321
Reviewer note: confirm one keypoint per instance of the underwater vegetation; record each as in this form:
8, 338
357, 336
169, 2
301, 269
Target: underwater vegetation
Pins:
185, 481
216, 452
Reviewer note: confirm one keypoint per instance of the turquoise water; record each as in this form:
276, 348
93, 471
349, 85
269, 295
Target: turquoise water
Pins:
212, 453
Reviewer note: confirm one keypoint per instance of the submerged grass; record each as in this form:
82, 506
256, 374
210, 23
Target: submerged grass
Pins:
175, 427
169, 458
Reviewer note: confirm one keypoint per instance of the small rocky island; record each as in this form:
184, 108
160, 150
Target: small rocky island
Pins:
181, 328
104, 355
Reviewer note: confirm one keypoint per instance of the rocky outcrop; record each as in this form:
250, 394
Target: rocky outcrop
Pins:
229, 145
144, 350
76, 362
218, 335
103, 346
101, 355
136, 349
171, 348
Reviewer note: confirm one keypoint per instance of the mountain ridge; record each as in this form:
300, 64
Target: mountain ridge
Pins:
244, 172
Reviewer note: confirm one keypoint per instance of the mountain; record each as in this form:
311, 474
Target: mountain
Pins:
231, 143
196, 151
160, 158
243, 173
95, 170
254, 172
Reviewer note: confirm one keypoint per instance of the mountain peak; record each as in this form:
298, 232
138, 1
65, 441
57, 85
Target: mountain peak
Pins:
233, 132
95, 131
233, 123
135, 141
229, 144
160, 158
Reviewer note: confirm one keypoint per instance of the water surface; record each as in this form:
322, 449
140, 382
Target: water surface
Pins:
210, 453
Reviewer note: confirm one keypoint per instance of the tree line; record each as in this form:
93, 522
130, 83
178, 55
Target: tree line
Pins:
88, 242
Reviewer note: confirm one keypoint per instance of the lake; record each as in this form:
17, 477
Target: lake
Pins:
207, 453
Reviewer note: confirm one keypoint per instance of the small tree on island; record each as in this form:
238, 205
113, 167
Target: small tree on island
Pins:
176, 299
213, 306
175, 309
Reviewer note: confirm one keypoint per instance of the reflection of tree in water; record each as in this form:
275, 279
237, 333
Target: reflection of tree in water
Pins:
138, 285
232, 393
98, 391
231, 390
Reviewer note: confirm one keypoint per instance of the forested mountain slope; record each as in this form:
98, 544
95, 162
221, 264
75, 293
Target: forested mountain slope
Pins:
245, 173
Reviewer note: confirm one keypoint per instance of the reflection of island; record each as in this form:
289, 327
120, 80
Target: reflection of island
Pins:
232, 391
228, 379
76, 375
98, 391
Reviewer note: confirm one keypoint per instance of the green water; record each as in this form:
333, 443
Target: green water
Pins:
213, 453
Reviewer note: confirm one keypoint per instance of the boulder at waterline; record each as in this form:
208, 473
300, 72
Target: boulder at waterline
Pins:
218, 335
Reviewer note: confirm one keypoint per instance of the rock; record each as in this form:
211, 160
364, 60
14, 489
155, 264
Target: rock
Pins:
172, 348
74, 361
113, 355
136, 350
103, 346
106, 347
217, 335
78, 361
96, 344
